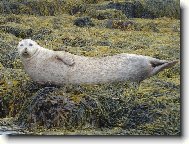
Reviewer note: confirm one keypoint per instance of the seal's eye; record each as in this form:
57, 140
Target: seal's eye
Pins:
30, 44
21, 45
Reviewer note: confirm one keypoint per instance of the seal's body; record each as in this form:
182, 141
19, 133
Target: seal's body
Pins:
59, 67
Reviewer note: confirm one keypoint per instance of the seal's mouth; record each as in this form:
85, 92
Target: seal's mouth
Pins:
25, 54
28, 55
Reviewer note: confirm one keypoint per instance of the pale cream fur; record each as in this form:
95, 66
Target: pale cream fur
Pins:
60, 67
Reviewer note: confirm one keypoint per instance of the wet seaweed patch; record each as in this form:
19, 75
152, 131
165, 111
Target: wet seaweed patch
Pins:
42, 33
10, 60
153, 108
4, 47
59, 111
78, 9
44, 7
12, 94
131, 25
163, 8
75, 107
12, 18
126, 106
77, 42
8, 128
30, 7
132, 9
118, 24
17, 31
106, 14
147, 8
9, 56
84, 22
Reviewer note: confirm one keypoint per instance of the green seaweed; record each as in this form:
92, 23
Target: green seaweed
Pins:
151, 108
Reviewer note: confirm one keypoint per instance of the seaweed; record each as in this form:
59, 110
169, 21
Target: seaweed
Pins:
103, 28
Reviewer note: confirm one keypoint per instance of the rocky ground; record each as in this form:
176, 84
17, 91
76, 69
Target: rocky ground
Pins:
91, 28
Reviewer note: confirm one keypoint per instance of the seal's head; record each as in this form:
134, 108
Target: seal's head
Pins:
27, 48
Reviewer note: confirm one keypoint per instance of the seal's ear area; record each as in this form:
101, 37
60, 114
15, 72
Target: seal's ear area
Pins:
20, 44
68, 60
31, 42
159, 65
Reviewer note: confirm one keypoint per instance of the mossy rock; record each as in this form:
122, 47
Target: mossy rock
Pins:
32, 7
12, 18
41, 33
163, 8
43, 7
128, 8
17, 30
9, 57
5, 48
148, 8
77, 9
126, 113
135, 8
119, 24
153, 108
107, 14
92, 1
132, 25
84, 22
149, 27
74, 108
59, 111
107, 106
76, 42
10, 60
12, 94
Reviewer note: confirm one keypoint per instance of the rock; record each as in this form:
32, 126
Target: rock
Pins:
9, 57
126, 7
152, 27
59, 111
9, 60
42, 8
7, 127
117, 24
84, 22
13, 18
104, 43
146, 9
76, 42
78, 9
17, 31
41, 33
11, 93
107, 14
167, 8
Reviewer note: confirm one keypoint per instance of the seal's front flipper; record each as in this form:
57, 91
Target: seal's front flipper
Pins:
66, 59
159, 65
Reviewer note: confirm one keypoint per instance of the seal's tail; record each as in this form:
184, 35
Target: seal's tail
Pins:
159, 65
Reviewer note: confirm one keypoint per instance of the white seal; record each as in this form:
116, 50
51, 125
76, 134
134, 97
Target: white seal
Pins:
60, 67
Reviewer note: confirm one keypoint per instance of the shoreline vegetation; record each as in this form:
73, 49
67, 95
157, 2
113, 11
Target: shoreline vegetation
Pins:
93, 28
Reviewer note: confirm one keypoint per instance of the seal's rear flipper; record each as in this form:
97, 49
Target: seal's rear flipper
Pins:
159, 65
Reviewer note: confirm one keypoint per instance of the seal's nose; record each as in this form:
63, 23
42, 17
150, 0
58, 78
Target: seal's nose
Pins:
25, 51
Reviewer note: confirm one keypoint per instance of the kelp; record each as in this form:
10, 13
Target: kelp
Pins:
103, 28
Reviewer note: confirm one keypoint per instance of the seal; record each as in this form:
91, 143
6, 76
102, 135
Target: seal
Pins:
60, 67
